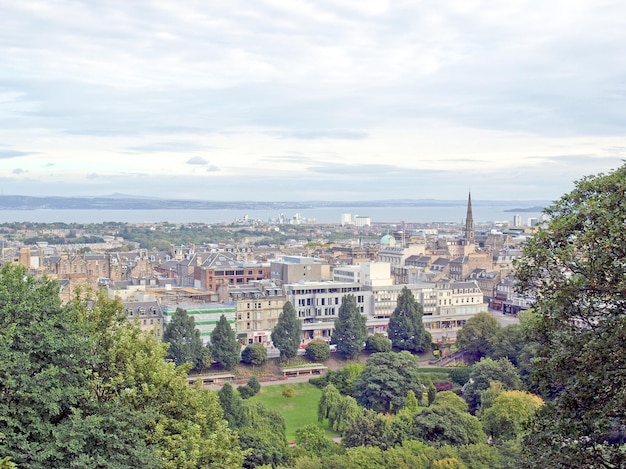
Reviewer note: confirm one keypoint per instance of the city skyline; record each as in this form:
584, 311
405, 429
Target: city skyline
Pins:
368, 100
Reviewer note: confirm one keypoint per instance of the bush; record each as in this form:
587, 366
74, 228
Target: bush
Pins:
377, 343
254, 354
254, 384
460, 375
317, 350
444, 386
250, 389
245, 391
289, 392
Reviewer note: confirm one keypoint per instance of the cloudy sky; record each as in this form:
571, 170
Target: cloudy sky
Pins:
310, 100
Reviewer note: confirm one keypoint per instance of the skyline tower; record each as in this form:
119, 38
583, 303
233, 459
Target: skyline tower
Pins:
469, 223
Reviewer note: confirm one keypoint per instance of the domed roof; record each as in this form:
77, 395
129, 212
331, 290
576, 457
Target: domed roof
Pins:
387, 240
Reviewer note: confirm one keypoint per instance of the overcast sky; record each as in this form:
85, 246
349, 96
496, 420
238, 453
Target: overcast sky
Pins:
310, 100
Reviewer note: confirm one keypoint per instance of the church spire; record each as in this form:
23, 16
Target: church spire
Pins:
469, 222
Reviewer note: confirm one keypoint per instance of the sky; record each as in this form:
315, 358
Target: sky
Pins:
310, 100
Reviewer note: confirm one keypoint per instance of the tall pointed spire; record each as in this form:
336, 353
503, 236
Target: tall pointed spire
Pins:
469, 222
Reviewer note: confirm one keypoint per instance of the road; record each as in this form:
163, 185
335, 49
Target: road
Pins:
504, 319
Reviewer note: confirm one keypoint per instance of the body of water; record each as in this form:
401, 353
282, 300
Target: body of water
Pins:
454, 214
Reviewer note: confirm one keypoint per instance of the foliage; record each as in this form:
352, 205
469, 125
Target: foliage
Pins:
254, 354
342, 379
232, 406
313, 440
317, 350
338, 409
477, 335
432, 391
484, 373
508, 343
509, 413
368, 428
263, 434
80, 386
377, 343
443, 425
254, 385
185, 343
350, 332
386, 380
460, 374
289, 392
225, 347
450, 400
245, 392
406, 328
287, 332
574, 267
443, 386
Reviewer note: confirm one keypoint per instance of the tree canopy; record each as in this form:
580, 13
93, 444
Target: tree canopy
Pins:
574, 267
185, 343
478, 334
350, 331
406, 328
225, 348
80, 386
286, 335
386, 380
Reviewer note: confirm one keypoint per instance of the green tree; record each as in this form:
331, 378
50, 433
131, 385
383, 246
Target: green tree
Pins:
340, 410
574, 268
317, 350
263, 435
485, 372
254, 354
225, 348
80, 386
232, 406
509, 413
313, 440
377, 343
477, 335
287, 333
350, 332
444, 425
386, 380
185, 343
406, 328
366, 429
43, 363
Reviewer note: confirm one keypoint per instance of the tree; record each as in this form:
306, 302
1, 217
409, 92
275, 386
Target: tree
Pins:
406, 329
444, 425
185, 343
477, 335
313, 440
317, 350
338, 409
509, 413
574, 268
377, 343
350, 332
225, 348
386, 380
287, 333
254, 354
483, 374
80, 386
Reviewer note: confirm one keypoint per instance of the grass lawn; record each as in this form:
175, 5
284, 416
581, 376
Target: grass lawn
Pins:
299, 410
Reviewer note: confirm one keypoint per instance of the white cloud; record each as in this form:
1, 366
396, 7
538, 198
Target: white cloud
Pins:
130, 90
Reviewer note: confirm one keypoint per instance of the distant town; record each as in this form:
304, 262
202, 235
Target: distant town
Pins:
247, 269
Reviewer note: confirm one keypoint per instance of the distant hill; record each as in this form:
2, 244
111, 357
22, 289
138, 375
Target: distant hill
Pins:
125, 202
